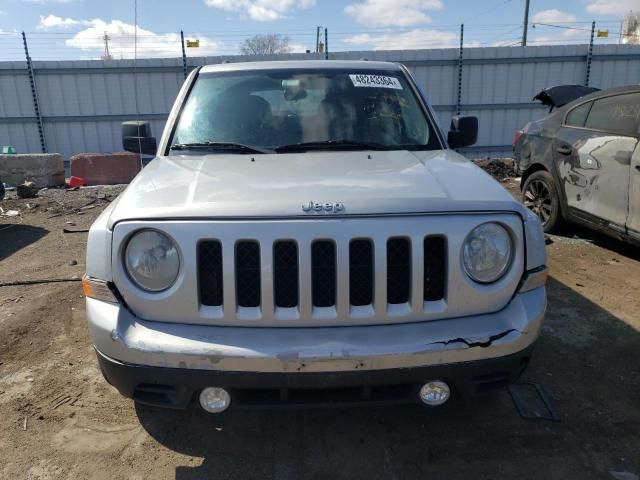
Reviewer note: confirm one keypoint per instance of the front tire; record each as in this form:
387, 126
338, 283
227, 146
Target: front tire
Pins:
540, 195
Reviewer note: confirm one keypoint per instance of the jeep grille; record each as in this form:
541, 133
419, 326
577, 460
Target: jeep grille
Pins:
286, 272
320, 272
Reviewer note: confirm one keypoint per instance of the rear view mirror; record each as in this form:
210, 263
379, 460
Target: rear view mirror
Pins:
294, 90
137, 138
463, 131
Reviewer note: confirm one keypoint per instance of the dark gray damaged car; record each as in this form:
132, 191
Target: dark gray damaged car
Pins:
581, 163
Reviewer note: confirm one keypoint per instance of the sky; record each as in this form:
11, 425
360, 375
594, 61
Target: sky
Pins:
64, 29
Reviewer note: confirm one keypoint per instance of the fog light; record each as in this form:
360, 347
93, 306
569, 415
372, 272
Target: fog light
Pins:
435, 393
214, 399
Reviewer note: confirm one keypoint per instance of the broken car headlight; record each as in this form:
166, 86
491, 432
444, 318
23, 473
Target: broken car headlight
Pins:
487, 253
152, 260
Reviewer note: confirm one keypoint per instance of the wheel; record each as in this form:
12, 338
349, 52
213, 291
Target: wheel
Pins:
1, 190
539, 194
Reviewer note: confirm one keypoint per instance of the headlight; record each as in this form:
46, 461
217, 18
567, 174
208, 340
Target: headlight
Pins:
151, 260
487, 253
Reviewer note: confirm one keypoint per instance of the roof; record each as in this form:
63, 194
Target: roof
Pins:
302, 64
602, 93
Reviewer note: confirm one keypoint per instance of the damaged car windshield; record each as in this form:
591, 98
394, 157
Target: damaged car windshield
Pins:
296, 110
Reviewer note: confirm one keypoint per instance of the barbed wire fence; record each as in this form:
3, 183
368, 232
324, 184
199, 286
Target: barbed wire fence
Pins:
25, 56
92, 43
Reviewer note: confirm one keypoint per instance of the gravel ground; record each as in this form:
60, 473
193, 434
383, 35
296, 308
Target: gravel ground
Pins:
60, 420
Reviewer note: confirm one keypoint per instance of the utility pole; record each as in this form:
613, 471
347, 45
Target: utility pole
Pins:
526, 23
106, 55
318, 29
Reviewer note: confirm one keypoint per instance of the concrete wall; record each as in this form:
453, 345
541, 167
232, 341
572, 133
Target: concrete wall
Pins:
45, 170
84, 102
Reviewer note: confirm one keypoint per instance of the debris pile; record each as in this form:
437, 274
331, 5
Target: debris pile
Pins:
57, 201
498, 168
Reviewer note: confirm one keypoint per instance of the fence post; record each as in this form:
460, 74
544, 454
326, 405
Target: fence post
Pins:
34, 95
184, 55
326, 44
590, 54
459, 99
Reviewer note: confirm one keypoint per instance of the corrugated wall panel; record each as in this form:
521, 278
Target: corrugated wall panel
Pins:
21, 136
15, 96
83, 102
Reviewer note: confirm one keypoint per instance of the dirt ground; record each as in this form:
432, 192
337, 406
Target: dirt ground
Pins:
60, 420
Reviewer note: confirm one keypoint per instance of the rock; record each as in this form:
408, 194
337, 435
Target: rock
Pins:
27, 190
73, 262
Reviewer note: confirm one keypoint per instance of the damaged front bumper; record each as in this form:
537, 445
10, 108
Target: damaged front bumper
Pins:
165, 364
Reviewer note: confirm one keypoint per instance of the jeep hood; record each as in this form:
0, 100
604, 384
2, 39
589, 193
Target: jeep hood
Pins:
367, 183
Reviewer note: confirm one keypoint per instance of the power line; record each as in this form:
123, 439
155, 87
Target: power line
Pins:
580, 29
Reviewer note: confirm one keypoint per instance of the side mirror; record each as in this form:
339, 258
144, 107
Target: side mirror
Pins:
137, 138
463, 131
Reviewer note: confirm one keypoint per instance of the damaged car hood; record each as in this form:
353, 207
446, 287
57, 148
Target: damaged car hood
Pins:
278, 185
560, 95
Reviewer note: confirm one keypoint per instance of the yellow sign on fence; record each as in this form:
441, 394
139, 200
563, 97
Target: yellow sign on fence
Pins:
196, 43
603, 33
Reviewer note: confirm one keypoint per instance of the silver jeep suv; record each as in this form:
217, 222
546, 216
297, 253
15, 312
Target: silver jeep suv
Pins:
306, 235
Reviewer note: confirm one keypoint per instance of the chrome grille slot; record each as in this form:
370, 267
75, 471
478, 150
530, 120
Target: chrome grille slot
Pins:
361, 272
435, 258
323, 273
285, 274
398, 270
248, 274
210, 279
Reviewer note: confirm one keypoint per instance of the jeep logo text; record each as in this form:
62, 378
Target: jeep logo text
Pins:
329, 207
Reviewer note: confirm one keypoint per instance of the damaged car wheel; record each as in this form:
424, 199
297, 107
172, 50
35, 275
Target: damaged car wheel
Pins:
539, 194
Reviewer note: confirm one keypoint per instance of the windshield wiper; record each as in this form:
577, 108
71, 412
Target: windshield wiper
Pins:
332, 145
222, 146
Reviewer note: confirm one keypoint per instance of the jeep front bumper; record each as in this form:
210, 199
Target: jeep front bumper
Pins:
167, 364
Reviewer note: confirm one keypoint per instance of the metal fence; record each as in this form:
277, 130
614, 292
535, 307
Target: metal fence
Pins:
70, 107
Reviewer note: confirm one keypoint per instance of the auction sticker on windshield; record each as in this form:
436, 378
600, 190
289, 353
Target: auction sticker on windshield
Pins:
375, 81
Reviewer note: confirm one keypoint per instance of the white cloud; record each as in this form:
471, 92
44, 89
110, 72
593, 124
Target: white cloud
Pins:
613, 7
397, 13
418, 38
260, 10
553, 16
121, 43
51, 22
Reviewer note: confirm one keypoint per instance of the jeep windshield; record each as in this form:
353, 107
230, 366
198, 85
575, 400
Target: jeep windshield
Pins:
267, 111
